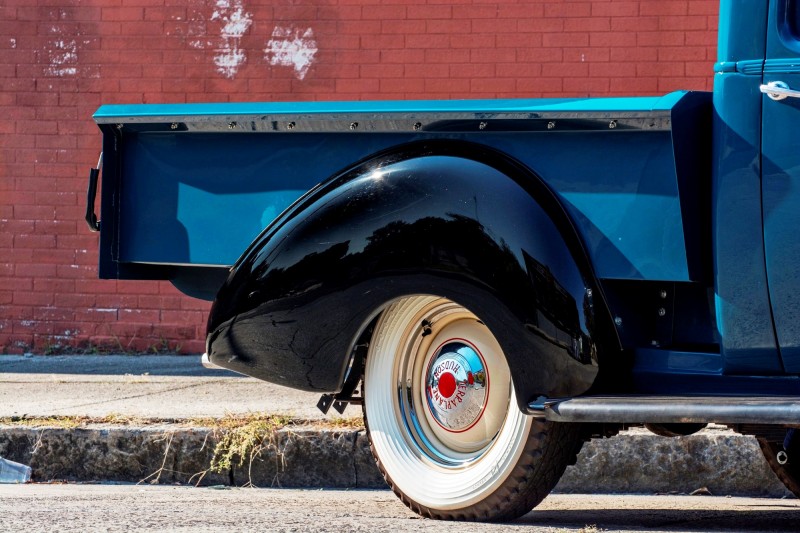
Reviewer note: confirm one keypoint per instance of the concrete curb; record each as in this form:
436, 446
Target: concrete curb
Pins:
637, 461
634, 462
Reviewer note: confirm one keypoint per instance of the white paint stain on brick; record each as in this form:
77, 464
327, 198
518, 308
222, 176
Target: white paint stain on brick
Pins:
230, 55
292, 47
196, 31
67, 335
62, 56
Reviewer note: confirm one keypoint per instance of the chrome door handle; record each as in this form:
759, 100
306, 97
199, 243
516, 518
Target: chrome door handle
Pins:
778, 90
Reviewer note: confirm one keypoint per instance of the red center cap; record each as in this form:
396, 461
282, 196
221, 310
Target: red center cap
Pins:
447, 384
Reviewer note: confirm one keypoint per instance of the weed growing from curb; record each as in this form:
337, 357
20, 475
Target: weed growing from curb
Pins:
242, 438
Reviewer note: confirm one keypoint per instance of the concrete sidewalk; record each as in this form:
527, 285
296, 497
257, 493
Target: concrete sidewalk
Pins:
138, 418
165, 387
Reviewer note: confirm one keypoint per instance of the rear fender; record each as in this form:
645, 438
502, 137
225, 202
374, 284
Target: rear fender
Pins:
454, 220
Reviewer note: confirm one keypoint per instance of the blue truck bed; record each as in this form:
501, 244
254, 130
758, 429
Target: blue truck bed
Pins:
191, 185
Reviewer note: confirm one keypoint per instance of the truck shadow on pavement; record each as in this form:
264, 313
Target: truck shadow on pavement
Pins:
778, 517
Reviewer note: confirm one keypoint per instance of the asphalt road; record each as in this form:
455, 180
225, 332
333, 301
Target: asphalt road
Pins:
161, 508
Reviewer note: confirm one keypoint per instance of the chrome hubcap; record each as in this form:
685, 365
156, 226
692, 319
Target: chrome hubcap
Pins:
457, 385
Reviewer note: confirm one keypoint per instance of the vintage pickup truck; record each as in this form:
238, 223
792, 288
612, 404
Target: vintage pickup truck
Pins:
494, 281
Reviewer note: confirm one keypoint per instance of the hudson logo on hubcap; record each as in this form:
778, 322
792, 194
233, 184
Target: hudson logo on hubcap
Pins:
457, 385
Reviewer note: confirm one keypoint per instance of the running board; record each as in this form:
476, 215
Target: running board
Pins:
671, 409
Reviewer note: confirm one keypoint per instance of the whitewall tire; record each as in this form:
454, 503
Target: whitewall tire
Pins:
443, 422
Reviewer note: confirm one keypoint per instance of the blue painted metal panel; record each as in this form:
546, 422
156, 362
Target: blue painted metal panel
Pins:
629, 217
657, 361
675, 372
201, 198
780, 180
741, 34
742, 300
126, 113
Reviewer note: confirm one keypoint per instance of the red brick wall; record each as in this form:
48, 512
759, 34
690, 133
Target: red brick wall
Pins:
60, 59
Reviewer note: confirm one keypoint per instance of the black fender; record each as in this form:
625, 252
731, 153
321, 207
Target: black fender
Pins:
449, 219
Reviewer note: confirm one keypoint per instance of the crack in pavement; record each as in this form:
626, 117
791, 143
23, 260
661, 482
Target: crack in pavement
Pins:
131, 397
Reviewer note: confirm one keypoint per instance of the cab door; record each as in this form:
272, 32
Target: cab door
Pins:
780, 178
